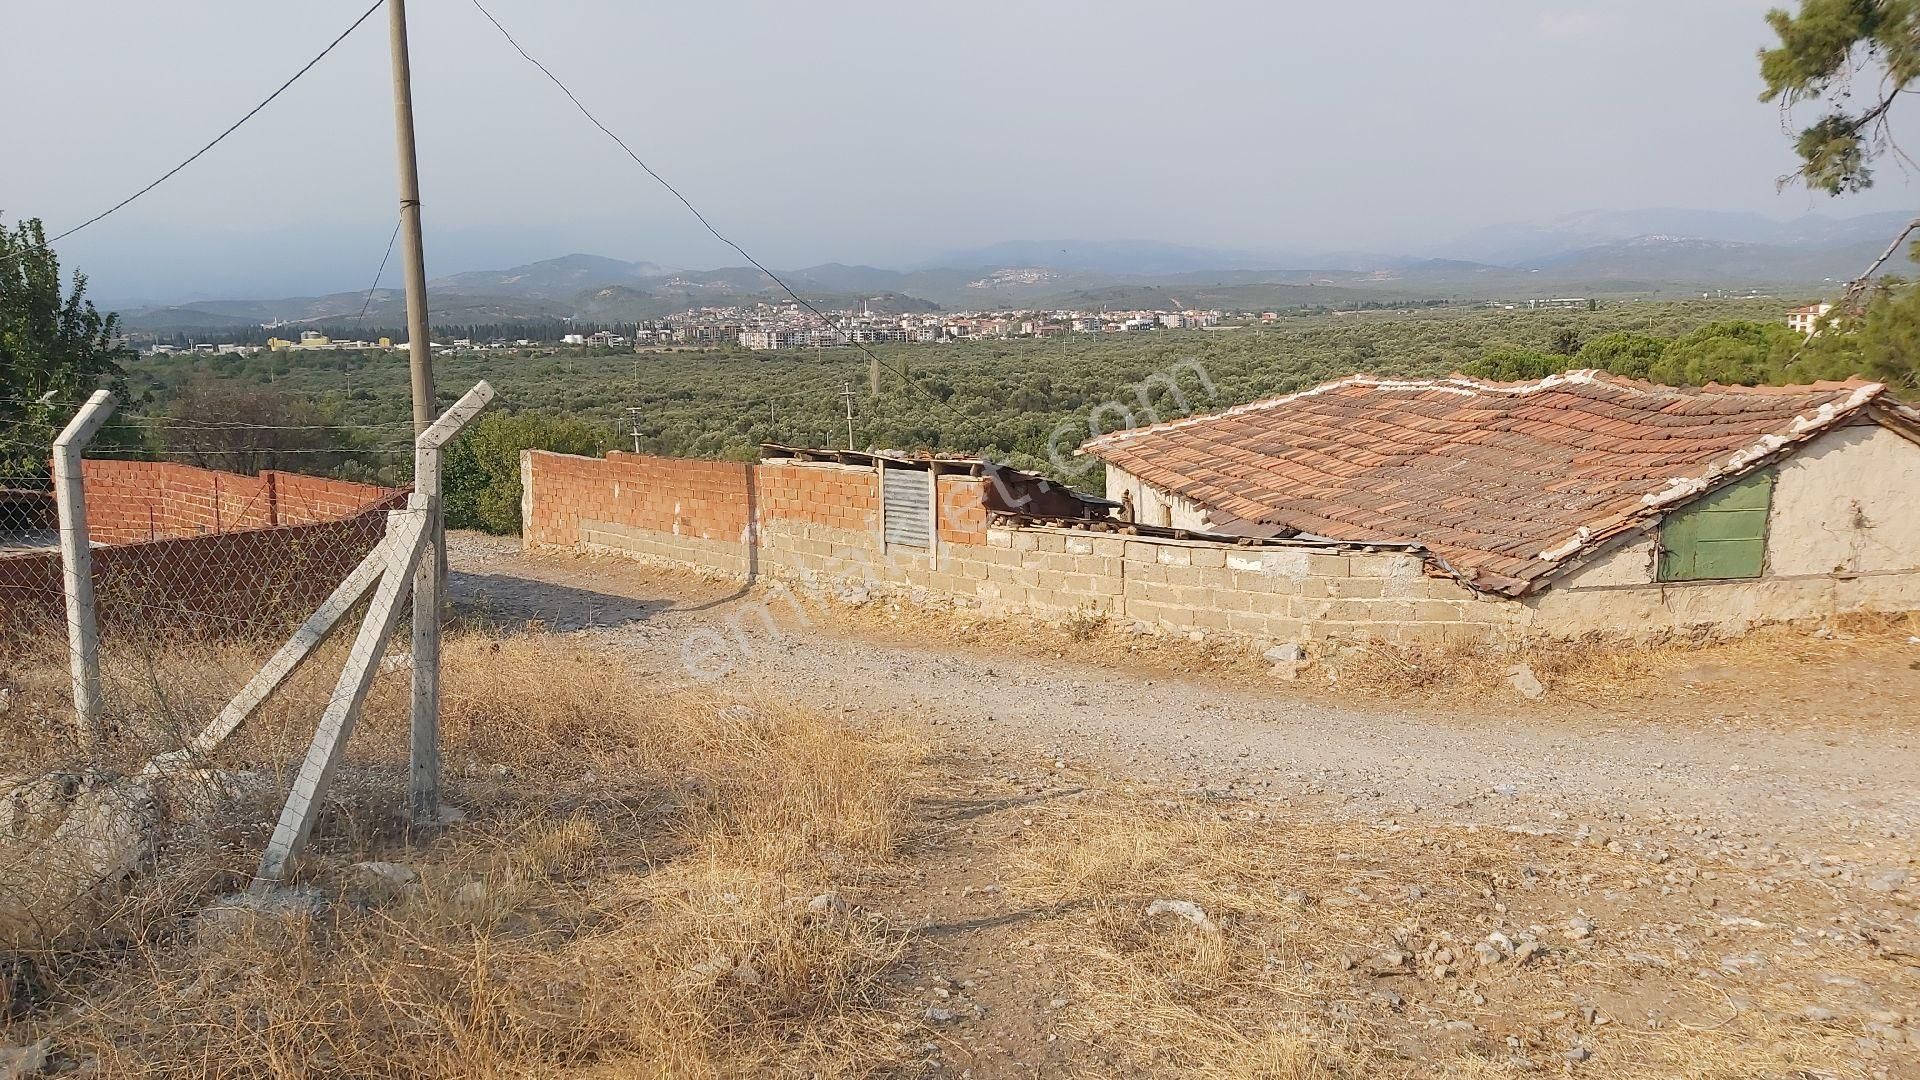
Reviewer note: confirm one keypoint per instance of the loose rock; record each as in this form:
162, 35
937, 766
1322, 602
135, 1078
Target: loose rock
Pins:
1524, 682
384, 877
20, 1062
827, 904
237, 913
1185, 909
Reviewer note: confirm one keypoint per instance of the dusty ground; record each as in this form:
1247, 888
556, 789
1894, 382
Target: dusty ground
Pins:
1710, 858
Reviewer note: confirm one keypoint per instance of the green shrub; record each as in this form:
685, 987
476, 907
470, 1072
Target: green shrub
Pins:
480, 479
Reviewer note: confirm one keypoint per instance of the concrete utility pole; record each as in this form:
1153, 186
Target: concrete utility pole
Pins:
413, 248
429, 573
846, 393
873, 376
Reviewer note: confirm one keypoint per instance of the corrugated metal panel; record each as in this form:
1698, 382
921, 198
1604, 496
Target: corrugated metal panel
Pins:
906, 496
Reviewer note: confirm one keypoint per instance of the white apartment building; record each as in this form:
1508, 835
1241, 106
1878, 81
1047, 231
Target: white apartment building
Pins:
1807, 319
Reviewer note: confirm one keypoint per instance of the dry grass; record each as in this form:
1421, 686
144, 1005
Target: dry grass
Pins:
1085, 637
1281, 981
630, 896
1587, 671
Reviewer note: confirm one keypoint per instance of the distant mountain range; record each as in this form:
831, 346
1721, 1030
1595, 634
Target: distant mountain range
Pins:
1536, 242
1646, 252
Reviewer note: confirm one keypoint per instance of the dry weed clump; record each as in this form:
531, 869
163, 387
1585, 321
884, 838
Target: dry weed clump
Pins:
645, 885
1085, 636
1316, 949
1592, 668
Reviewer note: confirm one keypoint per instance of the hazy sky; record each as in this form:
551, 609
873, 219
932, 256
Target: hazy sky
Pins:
875, 132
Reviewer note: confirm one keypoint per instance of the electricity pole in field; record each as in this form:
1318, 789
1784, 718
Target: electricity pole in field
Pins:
430, 573
846, 394
413, 246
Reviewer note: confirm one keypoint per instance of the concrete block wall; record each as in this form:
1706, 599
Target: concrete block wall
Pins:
819, 523
1260, 594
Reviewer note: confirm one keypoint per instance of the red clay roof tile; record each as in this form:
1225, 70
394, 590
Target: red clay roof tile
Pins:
1505, 482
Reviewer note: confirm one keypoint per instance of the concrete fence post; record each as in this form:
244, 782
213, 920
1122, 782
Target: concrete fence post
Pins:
428, 601
406, 537
76, 561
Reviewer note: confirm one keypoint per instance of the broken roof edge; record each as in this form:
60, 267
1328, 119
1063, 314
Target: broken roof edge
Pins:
1467, 386
1293, 539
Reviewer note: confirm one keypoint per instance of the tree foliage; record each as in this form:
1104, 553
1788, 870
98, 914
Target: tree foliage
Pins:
1745, 352
1516, 365
242, 427
1622, 352
1027, 403
1827, 50
480, 478
53, 345
1882, 342
1733, 352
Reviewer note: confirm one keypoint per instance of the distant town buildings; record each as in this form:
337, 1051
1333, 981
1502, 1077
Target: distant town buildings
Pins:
766, 326
314, 339
791, 326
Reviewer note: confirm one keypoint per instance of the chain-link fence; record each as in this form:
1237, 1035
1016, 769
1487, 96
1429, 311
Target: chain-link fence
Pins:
177, 636
208, 545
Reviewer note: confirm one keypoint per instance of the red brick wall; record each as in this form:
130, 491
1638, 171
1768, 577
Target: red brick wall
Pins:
963, 510
259, 580
703, 499
147, 500
129, 501
165, 565
305, 500
709, 499
836, 496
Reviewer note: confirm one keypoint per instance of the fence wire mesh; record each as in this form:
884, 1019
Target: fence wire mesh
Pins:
209, 548
209, 543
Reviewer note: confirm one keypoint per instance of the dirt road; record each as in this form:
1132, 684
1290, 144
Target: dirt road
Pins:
1765, 776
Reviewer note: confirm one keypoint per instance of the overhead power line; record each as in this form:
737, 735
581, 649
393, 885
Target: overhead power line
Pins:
695, 211
217, 139
378, 274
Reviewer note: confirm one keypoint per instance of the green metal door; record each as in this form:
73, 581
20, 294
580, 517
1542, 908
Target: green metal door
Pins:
1721, 537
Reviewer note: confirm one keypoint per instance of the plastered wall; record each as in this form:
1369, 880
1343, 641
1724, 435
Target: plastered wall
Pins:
1843, 534
1151, 506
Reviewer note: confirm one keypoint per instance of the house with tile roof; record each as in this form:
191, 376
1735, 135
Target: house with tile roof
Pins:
1585, 502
